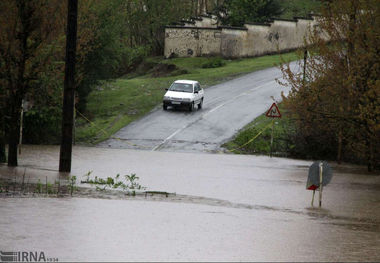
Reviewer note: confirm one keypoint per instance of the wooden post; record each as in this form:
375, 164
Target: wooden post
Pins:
320, 183
69, 88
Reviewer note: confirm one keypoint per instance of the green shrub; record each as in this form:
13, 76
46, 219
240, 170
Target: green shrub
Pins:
214, 63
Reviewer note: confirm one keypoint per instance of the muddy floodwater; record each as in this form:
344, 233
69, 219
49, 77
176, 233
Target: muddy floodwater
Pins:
226, 208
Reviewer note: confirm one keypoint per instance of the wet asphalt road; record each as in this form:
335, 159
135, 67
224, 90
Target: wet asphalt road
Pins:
227, 107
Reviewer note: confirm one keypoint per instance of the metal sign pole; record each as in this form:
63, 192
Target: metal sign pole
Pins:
271, 140
320, 183
273, 112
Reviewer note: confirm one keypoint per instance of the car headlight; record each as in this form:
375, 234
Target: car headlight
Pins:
187, 100
166, 98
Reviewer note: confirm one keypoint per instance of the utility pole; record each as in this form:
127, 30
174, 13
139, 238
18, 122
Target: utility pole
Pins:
69, 88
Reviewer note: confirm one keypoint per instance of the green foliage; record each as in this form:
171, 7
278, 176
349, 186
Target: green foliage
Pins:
147, 19
107, 49
72, 184
302, 8
237, 12
42, 125
39, 186
261, 126
214, 63
129, 184
336, 111
49, 188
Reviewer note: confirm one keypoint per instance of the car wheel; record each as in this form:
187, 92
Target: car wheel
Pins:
200, 104
165, 107
191, 106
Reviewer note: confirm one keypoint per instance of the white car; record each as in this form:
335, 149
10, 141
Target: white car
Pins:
184, 93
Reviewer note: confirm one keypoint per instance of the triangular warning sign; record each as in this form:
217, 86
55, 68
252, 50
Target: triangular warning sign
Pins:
273, 112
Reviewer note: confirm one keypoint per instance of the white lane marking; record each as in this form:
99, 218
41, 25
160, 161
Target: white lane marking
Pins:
234, 98
168, 138
203, 115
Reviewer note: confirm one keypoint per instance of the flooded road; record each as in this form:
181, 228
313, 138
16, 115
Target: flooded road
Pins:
104, 230
232, 208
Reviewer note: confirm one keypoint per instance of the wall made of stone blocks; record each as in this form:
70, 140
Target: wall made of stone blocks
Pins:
192, 41
233, 42
253, 39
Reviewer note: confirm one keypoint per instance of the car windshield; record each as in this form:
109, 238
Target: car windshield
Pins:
181, 87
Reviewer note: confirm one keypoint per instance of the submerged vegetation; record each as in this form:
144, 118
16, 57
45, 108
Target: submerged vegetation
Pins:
127, 183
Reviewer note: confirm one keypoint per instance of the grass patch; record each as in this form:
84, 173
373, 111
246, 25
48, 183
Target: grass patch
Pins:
261, 145
114, 104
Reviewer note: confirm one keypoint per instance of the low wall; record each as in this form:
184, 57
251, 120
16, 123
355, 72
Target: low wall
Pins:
254, 39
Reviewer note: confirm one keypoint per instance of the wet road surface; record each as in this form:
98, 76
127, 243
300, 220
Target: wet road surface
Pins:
227, 108
233, 208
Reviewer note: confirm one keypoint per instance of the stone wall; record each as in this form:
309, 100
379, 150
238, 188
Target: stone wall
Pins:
192, 41
203, 37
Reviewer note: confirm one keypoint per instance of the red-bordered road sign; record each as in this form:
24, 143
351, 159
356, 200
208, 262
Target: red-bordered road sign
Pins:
273, 112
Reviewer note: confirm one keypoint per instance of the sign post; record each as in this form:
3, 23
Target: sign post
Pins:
320, 183
273, 112
320, 174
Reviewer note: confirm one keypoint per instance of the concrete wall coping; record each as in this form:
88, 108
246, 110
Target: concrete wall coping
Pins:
257, 24
180, 24
283, 19
233, 28
193, 27
303, 18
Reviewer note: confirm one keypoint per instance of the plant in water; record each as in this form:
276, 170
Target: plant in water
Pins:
58, 185
128, 184
38, 189
132, 183
49, 189
87, 176
72, 184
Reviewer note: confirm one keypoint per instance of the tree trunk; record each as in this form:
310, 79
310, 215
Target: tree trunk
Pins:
14, 127
3, 157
